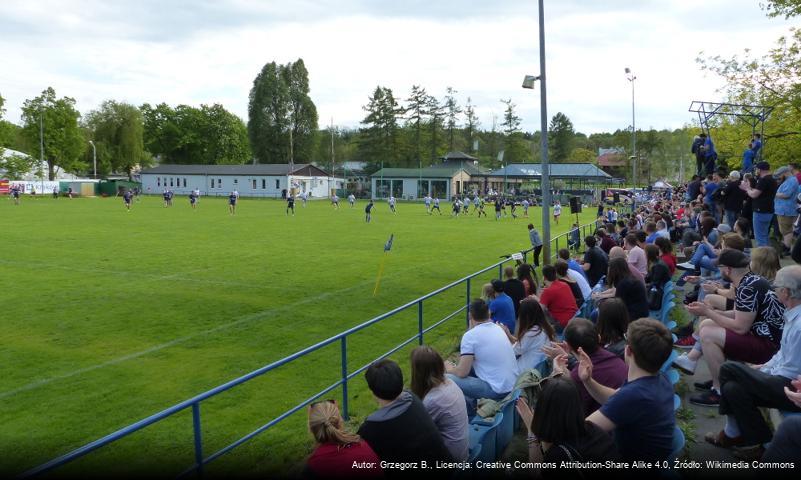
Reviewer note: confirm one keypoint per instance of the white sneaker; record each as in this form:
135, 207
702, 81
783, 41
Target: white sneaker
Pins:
686, 266
683, 363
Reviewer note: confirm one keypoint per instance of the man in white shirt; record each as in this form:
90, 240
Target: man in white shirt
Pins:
485, 349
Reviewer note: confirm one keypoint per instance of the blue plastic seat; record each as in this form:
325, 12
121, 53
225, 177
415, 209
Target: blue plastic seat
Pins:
475, 451
676, 402
669, 361
485, 436
673, 376
506, 429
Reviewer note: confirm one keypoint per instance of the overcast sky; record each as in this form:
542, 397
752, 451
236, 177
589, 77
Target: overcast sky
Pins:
204, 51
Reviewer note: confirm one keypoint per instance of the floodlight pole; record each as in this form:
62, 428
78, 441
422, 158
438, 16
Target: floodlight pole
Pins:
94, 157
41, 147
631, 77
545, 180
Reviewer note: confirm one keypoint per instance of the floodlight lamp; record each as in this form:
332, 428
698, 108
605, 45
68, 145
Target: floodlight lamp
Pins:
528, 81
628, 70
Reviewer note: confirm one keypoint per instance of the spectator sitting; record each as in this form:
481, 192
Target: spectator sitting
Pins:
501, 307
443, 400
400, 430
336, 450
750, 333
746, 388
557, 298
513, 287
613, 320
576, 277
743, 227
641, 411
525, 275
705, 253
486, 351
658, 272
666, 251
595, 263
662, 230
618, 252
561, 274
533, 333
636, 255
786, 443
606, 242
558, 431
623, 285
572, 264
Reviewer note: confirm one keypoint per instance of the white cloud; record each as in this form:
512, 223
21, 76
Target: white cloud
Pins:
207, 52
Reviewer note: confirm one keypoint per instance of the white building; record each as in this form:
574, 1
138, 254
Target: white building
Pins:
260, 180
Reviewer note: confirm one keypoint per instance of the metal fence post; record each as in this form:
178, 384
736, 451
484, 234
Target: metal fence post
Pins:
198, 438
420, 321
344, 344
467, 303
500, 271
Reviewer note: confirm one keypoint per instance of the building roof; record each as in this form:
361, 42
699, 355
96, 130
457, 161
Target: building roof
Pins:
558, 170
275, 169
458, 156
428, 172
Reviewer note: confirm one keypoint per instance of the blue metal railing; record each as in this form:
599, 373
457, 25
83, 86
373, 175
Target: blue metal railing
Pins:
194, 402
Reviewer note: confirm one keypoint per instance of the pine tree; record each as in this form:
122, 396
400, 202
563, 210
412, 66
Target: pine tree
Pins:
452, 111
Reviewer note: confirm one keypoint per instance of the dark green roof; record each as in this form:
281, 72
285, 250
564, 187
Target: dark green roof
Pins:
558, 170
428, 172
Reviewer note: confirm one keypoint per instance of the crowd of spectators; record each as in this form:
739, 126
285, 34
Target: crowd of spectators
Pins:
606, 398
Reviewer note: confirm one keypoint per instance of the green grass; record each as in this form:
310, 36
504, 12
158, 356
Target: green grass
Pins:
110, 316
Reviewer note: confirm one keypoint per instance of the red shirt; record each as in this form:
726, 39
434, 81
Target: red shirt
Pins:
559, 300
331, 460
670, 261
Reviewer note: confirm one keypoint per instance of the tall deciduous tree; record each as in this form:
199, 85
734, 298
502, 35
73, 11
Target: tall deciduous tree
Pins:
560, 138
64, 142
117, 130
452, 112
268, 116
301, 111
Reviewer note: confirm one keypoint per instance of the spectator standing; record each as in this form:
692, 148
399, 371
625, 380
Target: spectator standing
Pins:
762, 195
733, 198
746, 388
698, 151
536, 243
785, 205
400, 430
487, 366
442, 399
337, 450
748, 159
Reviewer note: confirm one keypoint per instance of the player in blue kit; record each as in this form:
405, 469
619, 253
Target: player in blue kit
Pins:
193, 199
368, 211
15, 194
232, 198
290, 204
126, 198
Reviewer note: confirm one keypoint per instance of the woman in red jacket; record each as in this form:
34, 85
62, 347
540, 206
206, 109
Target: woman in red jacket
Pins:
337, 450
667, 255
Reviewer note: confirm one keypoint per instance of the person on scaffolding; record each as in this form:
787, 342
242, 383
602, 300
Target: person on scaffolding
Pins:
710, 156
697, 150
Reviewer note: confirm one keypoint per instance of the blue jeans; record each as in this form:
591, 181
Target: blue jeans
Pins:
703, 256
762, 223
731, 217
474, 388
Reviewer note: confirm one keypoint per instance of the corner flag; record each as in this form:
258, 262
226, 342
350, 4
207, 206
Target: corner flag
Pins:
388, 245
387, 248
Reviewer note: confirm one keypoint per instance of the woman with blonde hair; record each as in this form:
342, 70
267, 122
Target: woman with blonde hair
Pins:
336, 449
765, 262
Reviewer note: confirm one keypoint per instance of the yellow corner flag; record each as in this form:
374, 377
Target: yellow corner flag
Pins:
387, 248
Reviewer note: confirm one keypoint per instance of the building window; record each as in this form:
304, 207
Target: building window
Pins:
277, 184
171, 182
219, 183
236, 181
254, 184
184, 183
263, 184
212, 183
158, 181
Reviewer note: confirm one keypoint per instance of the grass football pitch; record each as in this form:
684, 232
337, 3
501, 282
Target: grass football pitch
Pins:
109, 316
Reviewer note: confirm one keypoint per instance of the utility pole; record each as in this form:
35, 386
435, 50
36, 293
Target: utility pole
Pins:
546, 172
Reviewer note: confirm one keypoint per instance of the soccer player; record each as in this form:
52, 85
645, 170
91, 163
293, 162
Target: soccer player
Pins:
197, 195
15, 194
166, 197
55, 192
368, 211
69, 193
436, 206
193, 199
476, 202
232, 198
290, 203
498, 205
525, 207
335, 201
456, 206
481, 208
557, 210
303, 196
392, 204
513, 208
126, 198
352, 200
427, 200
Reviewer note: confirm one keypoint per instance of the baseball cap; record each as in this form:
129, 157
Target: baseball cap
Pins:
763, 166
781, 171
724, 228
733, 258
